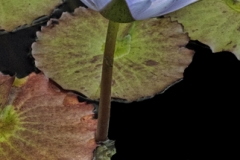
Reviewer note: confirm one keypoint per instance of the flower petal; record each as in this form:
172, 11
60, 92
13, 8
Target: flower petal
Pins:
152, 8
178, 4
101, 3
96, 5
160, 7
137, 7
91, 4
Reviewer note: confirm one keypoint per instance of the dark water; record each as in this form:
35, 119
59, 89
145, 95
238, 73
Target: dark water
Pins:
197, 118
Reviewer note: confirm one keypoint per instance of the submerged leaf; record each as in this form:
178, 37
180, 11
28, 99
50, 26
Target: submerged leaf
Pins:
213, 22
14, 13
149, 54
39, 121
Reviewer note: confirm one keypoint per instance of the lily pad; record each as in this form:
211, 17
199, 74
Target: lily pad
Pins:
213, 22
14, 13
149, 55
40, 121
5, 86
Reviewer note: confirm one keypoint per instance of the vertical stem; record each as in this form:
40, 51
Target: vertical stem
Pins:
106, 82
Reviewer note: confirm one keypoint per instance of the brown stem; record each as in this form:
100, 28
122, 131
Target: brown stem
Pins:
106, 82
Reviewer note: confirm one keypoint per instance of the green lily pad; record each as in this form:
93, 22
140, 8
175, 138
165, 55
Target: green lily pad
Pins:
40, 121
213, 22
234, 4
14, 13
150, 54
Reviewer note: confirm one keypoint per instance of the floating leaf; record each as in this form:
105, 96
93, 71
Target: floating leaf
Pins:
5, 86
215, 23
234, 4
149, 54
14, 13
39, 121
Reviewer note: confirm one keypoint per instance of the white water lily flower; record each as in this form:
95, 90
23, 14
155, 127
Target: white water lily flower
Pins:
143, 9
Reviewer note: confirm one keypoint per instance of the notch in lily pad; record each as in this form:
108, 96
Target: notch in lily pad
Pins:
234, 4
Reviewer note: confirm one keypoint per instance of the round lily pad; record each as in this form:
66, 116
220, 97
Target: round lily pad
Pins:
14, 13
40, 121
213, 22
149, 54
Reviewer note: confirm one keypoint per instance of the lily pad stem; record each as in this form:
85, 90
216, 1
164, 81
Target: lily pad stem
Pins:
106, 82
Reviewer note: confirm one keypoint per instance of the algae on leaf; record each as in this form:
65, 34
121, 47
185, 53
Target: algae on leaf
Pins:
38, 120
213, 22
149, 54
